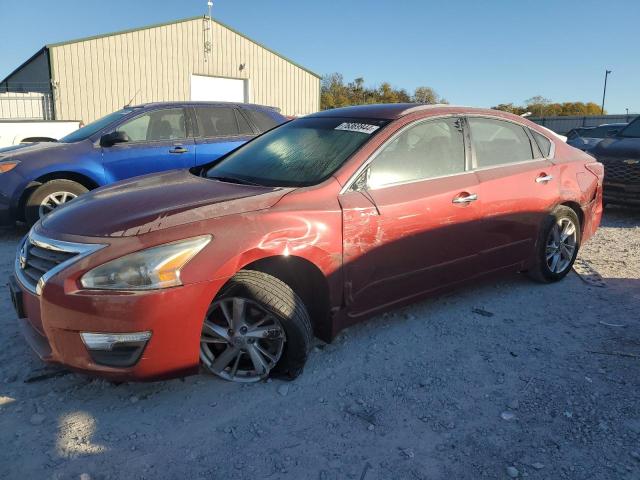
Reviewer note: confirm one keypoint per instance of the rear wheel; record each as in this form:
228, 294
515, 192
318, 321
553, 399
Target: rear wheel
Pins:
558, 245
49, 196
255, 327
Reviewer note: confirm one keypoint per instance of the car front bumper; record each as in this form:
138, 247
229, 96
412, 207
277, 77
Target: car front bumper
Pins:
52, 324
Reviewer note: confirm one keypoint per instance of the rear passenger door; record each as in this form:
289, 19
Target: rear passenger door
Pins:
518, 186
219, 129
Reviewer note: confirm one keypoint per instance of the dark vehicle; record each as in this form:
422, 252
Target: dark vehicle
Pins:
586, 138
620, 155
38, 177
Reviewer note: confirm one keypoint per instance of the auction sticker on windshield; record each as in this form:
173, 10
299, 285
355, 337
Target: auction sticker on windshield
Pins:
357, 127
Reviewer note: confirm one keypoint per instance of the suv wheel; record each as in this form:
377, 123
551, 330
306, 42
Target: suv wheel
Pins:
255, 327
49, 196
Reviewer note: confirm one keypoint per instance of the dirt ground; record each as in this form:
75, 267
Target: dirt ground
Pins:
506, 379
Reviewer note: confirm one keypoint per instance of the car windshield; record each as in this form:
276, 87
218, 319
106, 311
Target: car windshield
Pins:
94, 127
632, 130
300, 153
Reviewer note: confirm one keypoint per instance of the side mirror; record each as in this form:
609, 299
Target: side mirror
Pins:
110, 139
612, 133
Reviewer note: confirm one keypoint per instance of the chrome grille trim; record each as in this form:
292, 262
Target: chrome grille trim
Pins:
33, 273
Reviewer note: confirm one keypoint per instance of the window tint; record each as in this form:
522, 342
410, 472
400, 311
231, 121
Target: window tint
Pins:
497, 142
543, 143
216, 121
157, 125
426, 150
262, 120
243, 125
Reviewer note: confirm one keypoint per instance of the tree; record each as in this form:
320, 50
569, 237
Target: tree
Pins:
335, 93
427, 95
543, 107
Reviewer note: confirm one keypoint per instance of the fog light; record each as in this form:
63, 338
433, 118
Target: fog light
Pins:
116, 349
106, 341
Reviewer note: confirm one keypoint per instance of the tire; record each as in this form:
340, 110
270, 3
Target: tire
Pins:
32, 206
261, 294
543, 270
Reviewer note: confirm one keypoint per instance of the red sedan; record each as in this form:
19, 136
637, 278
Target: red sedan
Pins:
305, 230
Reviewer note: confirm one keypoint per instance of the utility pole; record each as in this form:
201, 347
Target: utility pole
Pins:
604, 93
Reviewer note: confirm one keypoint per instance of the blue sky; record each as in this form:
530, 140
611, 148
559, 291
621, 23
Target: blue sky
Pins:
477, 53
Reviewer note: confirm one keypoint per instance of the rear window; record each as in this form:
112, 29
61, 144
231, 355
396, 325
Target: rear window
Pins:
497, 142
543, 143
262, 120
216, 122
632, 130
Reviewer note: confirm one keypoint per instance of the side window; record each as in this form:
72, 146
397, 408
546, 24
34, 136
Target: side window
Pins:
543, 142
262, 120
216, 121
434, 148
156, 125
243, 126
497, 142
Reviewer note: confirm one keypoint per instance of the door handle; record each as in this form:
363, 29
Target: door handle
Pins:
543, 178
178, 149
465, 198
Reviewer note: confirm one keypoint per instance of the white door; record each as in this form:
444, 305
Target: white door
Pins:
218, 89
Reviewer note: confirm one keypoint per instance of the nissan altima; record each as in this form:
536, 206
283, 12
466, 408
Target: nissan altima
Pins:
309, 228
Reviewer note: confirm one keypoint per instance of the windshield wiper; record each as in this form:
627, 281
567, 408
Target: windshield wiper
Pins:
228, 179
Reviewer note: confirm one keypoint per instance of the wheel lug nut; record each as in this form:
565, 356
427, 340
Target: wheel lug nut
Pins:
243, 330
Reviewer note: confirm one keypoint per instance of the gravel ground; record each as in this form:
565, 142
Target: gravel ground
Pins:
505, 379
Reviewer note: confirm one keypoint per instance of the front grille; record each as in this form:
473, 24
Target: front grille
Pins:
36, 261
621, 171
40, 258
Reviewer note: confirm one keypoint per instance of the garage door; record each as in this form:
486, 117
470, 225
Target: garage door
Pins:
217, 89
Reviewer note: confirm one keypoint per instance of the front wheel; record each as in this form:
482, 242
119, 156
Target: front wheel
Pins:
49, 196
255, 327
558, 245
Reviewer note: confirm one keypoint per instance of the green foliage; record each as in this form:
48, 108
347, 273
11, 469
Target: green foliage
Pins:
543, 107
335, 93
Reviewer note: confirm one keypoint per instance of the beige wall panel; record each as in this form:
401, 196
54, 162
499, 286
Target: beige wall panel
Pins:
96, 76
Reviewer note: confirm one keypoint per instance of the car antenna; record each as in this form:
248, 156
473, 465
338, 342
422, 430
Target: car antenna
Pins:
132, 99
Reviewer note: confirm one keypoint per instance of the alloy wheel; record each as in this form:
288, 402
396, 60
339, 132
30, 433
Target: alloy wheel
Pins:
241, 341
561, 245
53, 201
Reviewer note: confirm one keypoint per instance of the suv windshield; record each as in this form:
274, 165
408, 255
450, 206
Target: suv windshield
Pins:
299, 153
632, 130
88, 130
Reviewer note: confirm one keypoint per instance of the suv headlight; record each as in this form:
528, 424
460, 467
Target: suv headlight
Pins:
153, 268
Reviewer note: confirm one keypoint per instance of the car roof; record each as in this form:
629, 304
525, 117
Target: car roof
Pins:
195, 103
393, 111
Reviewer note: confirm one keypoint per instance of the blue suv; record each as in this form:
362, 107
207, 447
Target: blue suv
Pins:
36, 178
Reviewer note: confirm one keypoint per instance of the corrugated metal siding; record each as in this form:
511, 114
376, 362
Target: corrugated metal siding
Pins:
96, 76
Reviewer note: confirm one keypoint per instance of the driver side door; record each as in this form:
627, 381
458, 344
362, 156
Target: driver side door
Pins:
159, 140
410, 221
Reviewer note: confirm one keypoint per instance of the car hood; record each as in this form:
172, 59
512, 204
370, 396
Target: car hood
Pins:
618, 148
155, 202
21, 151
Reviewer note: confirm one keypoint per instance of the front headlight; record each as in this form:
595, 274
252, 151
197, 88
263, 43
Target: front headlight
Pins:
157, 267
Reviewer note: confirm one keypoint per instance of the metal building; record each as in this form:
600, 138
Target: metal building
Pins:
192, 59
